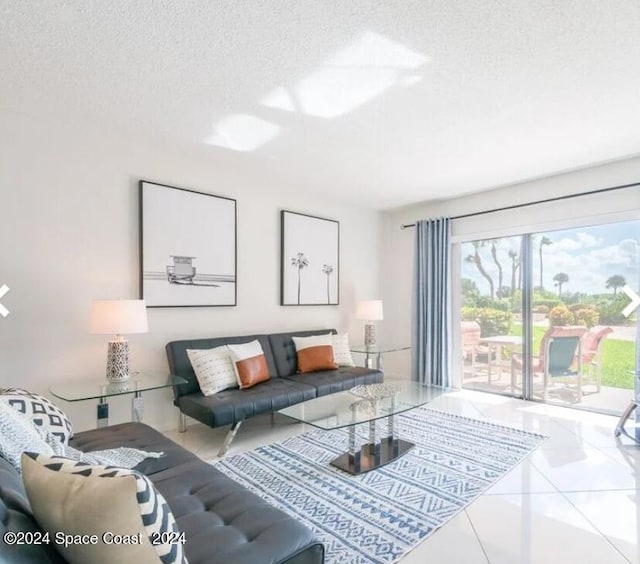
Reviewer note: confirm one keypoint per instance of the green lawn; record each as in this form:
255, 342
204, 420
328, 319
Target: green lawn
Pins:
618, 357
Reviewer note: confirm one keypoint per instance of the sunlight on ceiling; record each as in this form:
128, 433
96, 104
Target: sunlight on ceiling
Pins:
242, 132
362, 71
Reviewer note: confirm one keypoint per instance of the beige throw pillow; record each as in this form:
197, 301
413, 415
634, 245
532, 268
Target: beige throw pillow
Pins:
75, 498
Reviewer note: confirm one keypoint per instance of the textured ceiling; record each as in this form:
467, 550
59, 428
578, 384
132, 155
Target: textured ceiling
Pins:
382, 103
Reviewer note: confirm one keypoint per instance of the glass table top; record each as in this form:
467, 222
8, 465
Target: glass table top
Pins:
345, 408
98, 388
377, 349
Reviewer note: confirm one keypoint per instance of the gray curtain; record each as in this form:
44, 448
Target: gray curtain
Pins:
431, 320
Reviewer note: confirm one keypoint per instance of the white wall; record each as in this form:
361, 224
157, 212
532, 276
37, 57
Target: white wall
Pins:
397, 246
69, 234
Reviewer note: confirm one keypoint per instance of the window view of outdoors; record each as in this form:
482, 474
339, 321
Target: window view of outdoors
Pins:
584, 347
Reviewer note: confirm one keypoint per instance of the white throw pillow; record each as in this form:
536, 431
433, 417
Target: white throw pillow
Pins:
18, 434
341, 352
214, 369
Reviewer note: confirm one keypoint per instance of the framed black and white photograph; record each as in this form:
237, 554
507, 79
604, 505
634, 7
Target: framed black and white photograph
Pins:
310, 260
187, 247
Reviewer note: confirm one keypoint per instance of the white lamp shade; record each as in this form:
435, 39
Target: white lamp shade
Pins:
370, 310
118, 317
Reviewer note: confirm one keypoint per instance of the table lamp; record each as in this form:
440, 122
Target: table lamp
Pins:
118, 317
370, 311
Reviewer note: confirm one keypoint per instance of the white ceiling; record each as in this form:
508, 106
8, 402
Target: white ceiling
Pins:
383, 103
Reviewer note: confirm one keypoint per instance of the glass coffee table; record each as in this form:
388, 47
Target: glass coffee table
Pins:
366, 405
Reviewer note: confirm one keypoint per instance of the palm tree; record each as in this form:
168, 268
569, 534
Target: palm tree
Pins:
476, 259
494, 255
327, 269
616, 281
560, 279
300, 262
544, 242
515, 265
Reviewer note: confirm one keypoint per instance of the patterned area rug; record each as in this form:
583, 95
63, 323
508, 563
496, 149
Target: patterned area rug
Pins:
381, 515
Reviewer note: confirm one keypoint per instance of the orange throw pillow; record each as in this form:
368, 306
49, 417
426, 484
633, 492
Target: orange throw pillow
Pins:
315, 353
249, 363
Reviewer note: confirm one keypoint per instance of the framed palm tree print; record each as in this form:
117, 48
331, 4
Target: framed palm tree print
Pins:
310, 260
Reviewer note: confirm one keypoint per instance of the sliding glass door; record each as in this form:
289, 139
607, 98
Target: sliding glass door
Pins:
582, 341
584, 344
491, 315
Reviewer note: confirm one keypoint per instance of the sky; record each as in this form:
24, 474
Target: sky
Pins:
588, 255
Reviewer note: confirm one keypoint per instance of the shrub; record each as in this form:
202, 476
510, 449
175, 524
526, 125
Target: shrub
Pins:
610, 311
486, 302
541, 309
560, 315
492, 321
548, 303
588, 316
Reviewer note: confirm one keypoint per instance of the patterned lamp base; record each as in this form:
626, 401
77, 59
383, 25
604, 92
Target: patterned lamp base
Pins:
370, 334
118, 361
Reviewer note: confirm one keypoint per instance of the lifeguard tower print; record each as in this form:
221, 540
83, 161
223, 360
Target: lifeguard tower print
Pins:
182, 271
188, 247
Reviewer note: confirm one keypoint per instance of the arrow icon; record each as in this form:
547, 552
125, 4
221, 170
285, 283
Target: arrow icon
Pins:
627, 311
3, 310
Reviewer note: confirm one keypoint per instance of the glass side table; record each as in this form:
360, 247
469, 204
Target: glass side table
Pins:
375, 352
101, 389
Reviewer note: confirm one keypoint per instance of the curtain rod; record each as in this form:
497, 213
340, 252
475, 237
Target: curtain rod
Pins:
526, 204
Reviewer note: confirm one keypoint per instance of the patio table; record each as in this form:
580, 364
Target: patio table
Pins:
495, 344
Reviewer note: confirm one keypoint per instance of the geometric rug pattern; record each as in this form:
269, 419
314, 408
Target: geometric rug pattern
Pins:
379, 516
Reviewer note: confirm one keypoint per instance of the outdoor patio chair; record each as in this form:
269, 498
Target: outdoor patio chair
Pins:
592, 342
470, 342
560, 349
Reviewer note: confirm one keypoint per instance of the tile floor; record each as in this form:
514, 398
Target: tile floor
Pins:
575, 500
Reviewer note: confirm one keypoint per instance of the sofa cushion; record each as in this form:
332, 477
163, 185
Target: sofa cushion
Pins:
223, 522
284, 351
179, 361
16, 515
343, 378
230, 406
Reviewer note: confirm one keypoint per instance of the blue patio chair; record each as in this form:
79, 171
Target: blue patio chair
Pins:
561, 361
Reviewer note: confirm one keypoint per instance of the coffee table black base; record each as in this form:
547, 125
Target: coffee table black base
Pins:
372, 456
